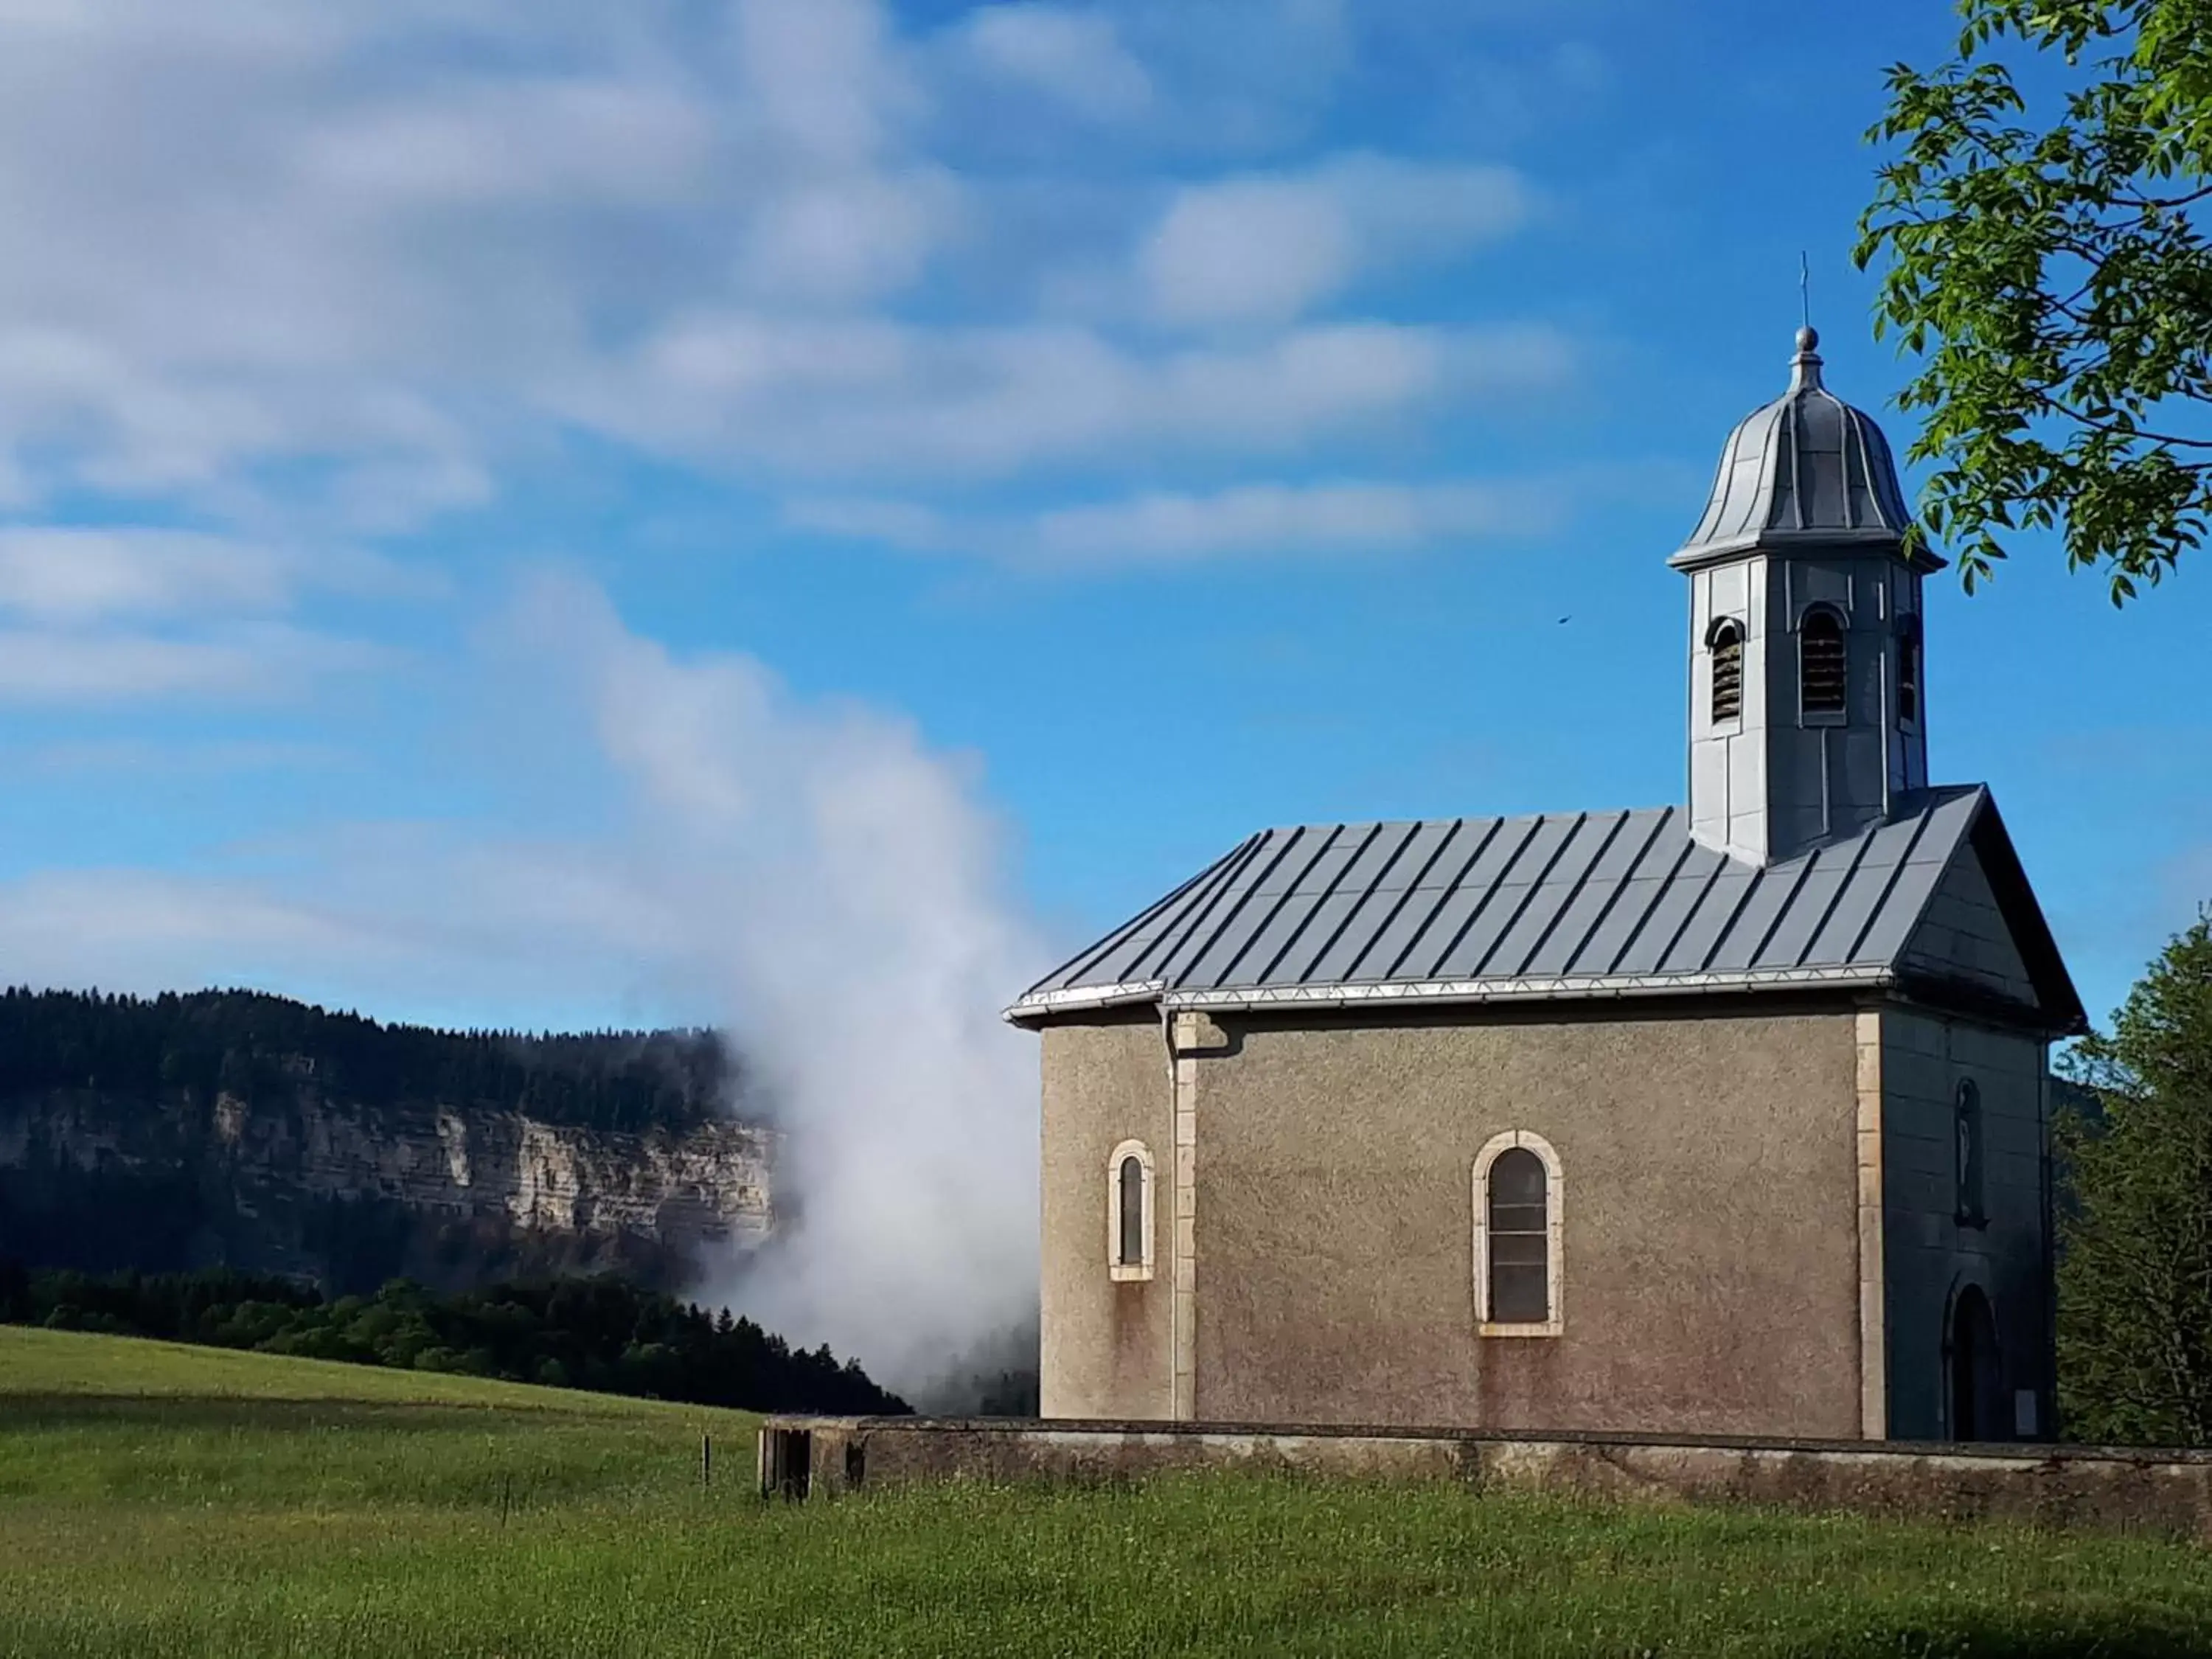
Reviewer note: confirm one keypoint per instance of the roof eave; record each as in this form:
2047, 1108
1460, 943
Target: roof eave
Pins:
1699, 556
1032, 1009
1039, 1006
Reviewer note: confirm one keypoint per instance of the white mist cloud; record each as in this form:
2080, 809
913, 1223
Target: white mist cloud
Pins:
813, 875
847, 893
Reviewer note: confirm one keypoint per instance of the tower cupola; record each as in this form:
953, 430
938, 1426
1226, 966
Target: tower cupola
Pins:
1807, 690
1806, 470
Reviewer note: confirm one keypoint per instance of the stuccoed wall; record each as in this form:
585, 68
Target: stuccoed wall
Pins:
1927, 1253
1105, 1344
1710, 1247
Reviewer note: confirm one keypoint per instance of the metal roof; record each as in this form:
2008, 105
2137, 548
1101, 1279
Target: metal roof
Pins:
1807, 469
1562, 905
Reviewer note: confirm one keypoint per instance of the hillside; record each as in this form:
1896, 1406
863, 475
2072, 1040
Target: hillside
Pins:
598, 1334
165, 1503
248, 1131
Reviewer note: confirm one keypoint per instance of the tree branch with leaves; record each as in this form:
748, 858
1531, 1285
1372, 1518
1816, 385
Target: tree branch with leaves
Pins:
2055, 280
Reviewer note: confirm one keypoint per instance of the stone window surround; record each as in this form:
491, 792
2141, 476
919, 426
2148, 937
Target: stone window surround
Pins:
1554, 1228
1116, 1267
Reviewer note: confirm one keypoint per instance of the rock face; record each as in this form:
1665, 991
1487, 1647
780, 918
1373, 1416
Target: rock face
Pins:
351, 1195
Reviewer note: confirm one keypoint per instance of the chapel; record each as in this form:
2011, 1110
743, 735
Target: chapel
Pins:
1726, 1117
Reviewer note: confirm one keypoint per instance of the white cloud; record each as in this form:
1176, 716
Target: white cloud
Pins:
846, 237
372, 241
245, 660
1340, 518
824, 75
854, 395
107, 615
72, 574
342, 265
139, 757
135, 930
1268, 248
1076, 57
1275, 518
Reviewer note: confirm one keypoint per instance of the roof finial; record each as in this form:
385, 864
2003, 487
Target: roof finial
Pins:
1805, 367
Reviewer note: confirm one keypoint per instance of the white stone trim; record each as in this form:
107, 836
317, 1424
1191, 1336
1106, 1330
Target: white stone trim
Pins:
1116, 1267
1874, 1309
1183, 1308
1555, 1228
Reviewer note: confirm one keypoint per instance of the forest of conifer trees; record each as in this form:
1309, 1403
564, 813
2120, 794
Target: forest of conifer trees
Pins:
241, 1041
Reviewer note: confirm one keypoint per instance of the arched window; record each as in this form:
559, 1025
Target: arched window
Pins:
1726, 643
1517, 1232
1129, 1212
1822, 663
1967, 1154
1908, 668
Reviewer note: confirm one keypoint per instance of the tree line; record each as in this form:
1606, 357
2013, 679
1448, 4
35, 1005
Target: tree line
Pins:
251, 1045
2134, 1266
597, 1333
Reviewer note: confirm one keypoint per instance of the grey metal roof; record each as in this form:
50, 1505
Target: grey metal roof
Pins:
1484, 910
1806, 470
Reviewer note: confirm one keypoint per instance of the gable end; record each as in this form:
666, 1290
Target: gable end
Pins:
1981, 938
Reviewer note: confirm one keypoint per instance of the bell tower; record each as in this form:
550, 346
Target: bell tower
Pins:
1809, 696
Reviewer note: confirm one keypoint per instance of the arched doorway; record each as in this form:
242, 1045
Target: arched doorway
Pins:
1976, 1379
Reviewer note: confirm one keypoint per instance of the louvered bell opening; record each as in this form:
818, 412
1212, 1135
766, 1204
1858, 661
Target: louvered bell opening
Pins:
1727, 672
1520, 1240
1822, 672
1908, 672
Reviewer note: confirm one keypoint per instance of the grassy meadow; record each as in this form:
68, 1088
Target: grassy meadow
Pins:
161, 1501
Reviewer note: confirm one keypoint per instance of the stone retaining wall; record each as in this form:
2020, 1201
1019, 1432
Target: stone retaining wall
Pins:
2163, 1491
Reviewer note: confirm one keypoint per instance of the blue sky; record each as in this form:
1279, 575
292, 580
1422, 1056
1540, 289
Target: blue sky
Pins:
562, 515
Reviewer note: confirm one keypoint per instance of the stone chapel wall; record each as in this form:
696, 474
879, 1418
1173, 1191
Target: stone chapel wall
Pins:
1711, 1253
1928, 1252
1105, 1343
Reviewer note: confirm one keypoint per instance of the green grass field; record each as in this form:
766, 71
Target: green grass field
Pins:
158, 1500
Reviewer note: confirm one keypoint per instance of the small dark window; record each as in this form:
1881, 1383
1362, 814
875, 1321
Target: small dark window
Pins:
1967, 1154
1520, 1240
1821, 659
1131, 1253
1908, 668
1728, 670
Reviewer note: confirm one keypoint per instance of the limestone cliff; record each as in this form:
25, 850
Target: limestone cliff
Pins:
348, 1194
